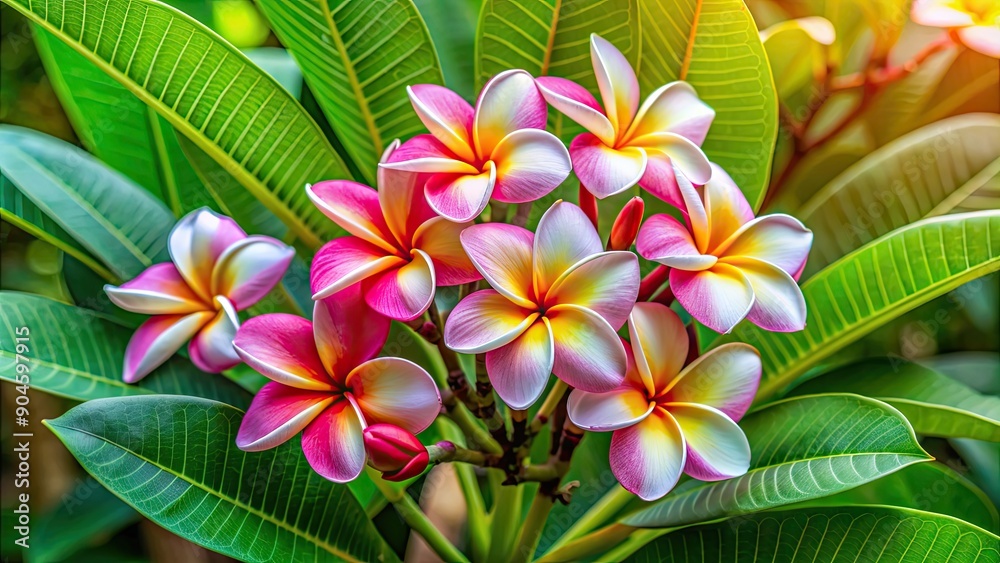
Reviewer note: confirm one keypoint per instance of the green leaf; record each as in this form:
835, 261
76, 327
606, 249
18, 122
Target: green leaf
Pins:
873, 285
801, 448
870, 533
85, 516
452, 25
208, 91
78, 354
935, 405
923, 174
115, 220
175, 460
358, 58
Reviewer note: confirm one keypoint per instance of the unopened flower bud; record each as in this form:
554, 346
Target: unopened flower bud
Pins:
626, 226
395, 452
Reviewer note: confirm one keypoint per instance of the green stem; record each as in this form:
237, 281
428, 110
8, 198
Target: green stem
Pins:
609, 505
638, 539
476, 434
479, 535
531, 531
592, 544
506, 513
415, 518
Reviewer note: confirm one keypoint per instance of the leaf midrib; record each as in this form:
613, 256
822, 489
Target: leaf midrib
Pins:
89, 376
44, 235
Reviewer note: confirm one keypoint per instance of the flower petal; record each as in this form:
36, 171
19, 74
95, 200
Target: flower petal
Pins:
446, 115
249, 269
724, 378
659, 344
602, 412
695, 214
334, 443
617, 82
281, 347
403, 293
440, 239
935, 13
726, 206
277, 413
424, 153
347, 332
195, 243
717, 449
648, 457
606, 283
719, 297
982, 38
484, 321
502, 254
519, 370
397, 392
158, 290
461, 197
576, 103
673, 108
355, 208
212, 348
603, 170
401, 197
778, 239
778, 304
508, 102
589, 353
342, 262
157, 339
665, 240
564, 237
685, 155
660, 180
530, 163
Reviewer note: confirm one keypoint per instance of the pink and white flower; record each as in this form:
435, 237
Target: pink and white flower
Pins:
727, 265
667, 420
216, 270
400, 250
498, 150
627, 144
556, 302
326, 384
976, 23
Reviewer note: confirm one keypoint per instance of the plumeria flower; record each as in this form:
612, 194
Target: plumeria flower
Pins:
976, 22
400, 250
556, 302
498, 149
216, 270
727, 265
666, 419
627, 144
326, 385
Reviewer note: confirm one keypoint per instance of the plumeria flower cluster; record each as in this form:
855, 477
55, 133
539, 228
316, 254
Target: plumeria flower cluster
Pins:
553, 301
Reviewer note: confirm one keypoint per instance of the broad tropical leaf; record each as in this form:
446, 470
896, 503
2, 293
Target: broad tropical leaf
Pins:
936, 405
175, 460
78, 354
873, 285
926, 173
116, 221
452, 24
86, 515
801, 448
358, 58
211, 93
885, 534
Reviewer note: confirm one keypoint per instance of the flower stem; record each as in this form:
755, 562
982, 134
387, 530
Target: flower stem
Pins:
531, 531
522, 214
479, 534
589, 545
609, 505
651, 282
415, 518
559, 389
474, 433
506, 512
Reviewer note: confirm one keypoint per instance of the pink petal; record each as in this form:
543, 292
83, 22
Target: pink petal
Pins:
520, 370
347, 332
196, 242
719, 297
659, 344
665, 240
158, 290
564, 237
249, 269
717, 449
157, 339
277, 413
694, 211
603, 412
648, 457
345, 261
603, 170
401, 197
778, 302
440, 239
355, 208
212, 348
683, 154
484, 321
589, 353
938, 13
673, 108
617, 82
502, 254
403, 293
424, 153
281, 347
446, 115
726, 206
606, 283
334, 443
461, 197
724, 378
982, 38
508, 102
576, 103
778, 239
530, 163
659, 179
395, 391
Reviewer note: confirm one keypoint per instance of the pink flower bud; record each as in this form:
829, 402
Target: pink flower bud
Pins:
395, 452
626, 225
